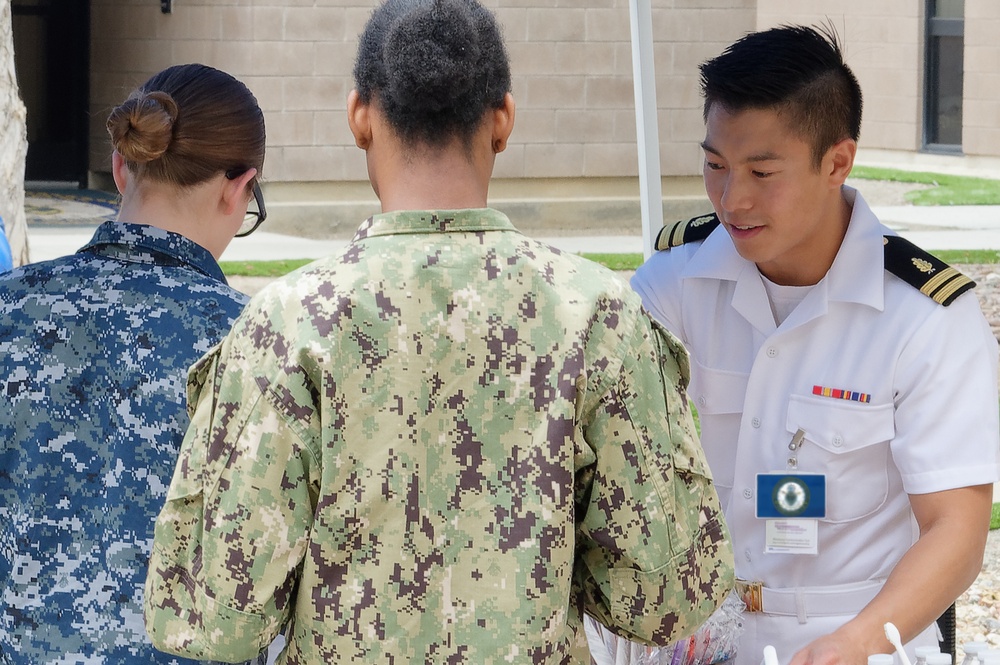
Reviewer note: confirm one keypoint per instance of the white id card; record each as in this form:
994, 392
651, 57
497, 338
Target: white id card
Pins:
794, 536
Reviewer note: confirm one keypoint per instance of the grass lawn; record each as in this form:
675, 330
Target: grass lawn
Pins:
948, 190
995, 517
261, 268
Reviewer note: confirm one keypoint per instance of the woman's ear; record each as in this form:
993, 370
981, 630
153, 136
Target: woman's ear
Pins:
503, 123
235, 192
119, 171
359, 120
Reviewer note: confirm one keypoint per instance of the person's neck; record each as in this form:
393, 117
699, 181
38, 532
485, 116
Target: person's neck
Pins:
176, 214
444, 181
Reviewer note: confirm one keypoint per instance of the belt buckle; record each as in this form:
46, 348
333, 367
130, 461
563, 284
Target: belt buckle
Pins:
751, 594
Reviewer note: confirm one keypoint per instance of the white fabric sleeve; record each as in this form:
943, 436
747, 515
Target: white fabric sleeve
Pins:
947, 422
658, 283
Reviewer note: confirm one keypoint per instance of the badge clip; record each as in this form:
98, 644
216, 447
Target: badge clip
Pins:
797, 440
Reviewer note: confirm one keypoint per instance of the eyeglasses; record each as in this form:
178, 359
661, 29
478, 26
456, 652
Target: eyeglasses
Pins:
253, 218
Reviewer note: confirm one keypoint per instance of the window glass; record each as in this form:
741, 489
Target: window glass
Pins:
949, 9
944, 74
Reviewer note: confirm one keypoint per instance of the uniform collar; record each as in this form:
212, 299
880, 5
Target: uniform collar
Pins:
434, 221
140, 243
856, 273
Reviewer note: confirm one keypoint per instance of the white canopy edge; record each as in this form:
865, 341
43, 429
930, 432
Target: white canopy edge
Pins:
647, 132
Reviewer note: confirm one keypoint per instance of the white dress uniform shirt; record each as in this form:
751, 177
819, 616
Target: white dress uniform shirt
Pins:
931, 422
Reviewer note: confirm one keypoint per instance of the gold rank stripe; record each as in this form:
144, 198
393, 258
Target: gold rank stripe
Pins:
944, 284
934, 283
685, 231
668, 236
677, 233
949, 289
932, 277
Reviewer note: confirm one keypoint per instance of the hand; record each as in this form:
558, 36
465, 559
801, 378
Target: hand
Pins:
833, 649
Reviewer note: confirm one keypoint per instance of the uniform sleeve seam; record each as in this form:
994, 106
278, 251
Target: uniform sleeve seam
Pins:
267, 393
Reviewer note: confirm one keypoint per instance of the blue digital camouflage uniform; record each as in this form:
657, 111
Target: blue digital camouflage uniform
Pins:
438, 446
94, 352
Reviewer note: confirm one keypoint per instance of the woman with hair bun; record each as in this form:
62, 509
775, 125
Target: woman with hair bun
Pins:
94, 352
448, 442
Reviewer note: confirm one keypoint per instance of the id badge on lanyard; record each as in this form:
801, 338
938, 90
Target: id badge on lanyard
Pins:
791, 503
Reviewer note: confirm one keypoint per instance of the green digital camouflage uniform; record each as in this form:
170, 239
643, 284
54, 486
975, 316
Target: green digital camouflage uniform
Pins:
439, 446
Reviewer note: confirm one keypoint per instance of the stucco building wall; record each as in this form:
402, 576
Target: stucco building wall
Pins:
572, 64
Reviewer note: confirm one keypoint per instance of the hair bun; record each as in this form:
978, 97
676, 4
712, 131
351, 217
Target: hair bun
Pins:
430, 55
143, 126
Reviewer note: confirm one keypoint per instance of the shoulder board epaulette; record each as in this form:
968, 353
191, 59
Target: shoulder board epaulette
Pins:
931, 276
679, 233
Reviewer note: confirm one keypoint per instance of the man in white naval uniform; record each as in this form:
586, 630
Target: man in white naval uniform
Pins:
845, 380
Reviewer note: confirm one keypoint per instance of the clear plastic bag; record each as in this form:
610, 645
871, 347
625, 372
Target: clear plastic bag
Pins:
715, 642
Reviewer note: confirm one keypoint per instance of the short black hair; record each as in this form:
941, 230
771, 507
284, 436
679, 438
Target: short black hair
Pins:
796, 70
434, 67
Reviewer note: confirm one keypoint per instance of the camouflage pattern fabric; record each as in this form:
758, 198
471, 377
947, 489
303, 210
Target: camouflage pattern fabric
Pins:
94, 351
440, 446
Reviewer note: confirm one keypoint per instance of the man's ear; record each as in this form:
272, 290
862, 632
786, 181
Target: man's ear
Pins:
235, 192
840, 160
359, 120
503, 123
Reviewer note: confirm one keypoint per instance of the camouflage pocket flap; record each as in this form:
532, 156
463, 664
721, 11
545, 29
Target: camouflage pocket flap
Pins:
659, 606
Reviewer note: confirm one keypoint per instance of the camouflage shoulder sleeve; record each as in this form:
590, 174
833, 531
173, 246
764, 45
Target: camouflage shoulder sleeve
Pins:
656, 559
206, 596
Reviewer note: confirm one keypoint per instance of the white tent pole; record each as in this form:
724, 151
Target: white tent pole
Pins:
647, 134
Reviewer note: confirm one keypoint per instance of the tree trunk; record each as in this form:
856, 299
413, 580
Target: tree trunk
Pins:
13, 144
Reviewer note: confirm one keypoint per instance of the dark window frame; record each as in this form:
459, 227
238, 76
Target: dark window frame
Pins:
937, 28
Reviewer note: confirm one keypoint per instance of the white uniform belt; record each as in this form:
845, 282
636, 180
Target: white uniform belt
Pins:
804, 602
